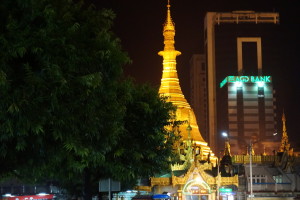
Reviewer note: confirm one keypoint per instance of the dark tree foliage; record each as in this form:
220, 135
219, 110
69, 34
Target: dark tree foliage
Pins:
60, 66
146, 119
65, 111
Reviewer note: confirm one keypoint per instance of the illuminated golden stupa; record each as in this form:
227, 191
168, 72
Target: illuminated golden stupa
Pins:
170, 87
191, 177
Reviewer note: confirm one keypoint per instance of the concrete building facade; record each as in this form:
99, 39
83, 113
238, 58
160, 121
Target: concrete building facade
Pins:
198, 83
247, 112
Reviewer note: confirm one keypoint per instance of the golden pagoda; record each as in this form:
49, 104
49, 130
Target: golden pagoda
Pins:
170, 88
195, 175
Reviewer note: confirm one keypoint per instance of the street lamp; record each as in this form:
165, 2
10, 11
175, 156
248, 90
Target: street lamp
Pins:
218, 177
251, 186
225, 134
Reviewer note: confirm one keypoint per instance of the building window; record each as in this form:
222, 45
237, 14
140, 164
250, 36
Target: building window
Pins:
278, 178
260, 92
258, 179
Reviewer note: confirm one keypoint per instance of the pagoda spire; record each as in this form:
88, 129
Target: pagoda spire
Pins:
169, 24
170, 86
284, 146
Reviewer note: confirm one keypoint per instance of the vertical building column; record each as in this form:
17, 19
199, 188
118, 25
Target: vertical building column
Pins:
179, 193
261, 112
240, 41
211, 77
240, 113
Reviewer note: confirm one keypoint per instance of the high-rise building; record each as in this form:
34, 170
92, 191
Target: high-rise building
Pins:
246, 106
221, 44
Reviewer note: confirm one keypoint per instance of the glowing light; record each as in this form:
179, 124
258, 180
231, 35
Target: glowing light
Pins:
246, 79
131, 191
226, 190
224, 134
198, 179
238, 84
42, 194
203, 186
260, 84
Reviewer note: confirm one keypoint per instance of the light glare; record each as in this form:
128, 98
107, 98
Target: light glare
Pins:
260, 84
42, 194
224, 134
238, 84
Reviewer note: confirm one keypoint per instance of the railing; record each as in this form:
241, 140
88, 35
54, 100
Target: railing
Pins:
244, 159
271, 187
160, 181
247, 16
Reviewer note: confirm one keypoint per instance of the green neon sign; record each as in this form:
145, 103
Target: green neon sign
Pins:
246, 79
225, 190
223, 82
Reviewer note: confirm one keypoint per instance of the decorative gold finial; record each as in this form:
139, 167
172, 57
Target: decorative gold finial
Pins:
284, 146
227, 147
169, 24
264, 153
252, 150
189, 128
283, 122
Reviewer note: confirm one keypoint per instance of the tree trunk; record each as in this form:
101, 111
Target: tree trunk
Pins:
87, 185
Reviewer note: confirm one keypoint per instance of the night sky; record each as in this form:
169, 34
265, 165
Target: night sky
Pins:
139, 26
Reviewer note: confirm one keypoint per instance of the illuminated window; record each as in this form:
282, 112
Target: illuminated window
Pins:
278, 178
